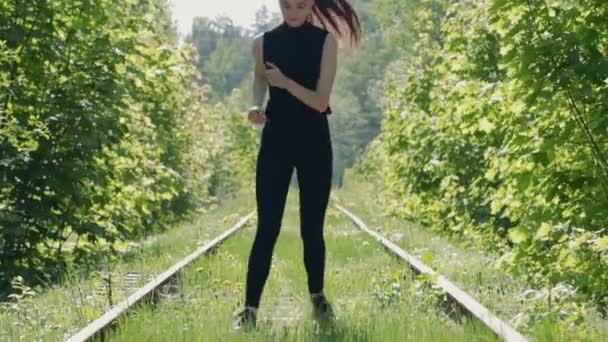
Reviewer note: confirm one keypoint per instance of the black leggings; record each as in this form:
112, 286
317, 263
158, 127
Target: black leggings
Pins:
308, 148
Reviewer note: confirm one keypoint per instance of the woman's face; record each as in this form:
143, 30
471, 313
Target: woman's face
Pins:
295, 12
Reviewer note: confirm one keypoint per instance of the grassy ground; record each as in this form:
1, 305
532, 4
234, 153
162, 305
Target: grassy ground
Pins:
472, 270
374, 296
59, 311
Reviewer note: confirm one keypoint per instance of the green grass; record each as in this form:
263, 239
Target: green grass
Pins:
62, 309
374, 296
471, 269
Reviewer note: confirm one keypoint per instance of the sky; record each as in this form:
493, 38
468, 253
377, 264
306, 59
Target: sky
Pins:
242, 12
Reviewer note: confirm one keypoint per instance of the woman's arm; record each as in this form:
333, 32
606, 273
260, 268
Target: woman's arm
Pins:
319, 98
259, 77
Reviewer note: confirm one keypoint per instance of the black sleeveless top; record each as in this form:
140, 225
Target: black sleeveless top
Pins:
297, 52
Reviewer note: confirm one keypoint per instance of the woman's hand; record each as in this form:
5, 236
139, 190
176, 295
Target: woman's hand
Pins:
275, 77
257, 116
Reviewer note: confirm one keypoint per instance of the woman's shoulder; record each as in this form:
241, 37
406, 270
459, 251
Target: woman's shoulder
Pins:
272, 30
326, 36
258, 38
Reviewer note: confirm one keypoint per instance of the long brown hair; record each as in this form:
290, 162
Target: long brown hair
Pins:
326, 11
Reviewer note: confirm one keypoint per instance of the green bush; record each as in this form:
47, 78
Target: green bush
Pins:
498, 134
104, 133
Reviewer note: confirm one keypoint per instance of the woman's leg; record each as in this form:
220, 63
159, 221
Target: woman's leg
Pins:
314, 171
273, 174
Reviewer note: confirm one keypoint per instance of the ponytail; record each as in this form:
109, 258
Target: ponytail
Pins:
325, 11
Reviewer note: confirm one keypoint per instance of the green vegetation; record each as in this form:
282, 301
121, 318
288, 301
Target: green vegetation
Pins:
495, 132
374, 295
105, 136
536, 312
80, 298
476, 132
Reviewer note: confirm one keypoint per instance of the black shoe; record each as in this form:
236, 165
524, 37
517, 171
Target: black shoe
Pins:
245, 318
321, 307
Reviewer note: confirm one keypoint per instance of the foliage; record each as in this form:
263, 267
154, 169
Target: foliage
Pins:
103, 134
225, 56
495, 131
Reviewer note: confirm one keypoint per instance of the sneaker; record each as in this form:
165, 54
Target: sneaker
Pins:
321, 306
245, 318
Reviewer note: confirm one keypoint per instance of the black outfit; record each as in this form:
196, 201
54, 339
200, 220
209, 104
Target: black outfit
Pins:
295, 135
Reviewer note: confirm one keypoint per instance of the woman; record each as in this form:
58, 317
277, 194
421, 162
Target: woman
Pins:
297, 60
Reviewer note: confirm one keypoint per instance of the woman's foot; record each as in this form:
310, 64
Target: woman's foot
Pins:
322, 308
245, 318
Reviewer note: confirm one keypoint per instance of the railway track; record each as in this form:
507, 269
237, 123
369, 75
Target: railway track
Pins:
457, 297
101, 325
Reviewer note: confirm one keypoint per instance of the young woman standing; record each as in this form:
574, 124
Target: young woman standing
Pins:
297, 60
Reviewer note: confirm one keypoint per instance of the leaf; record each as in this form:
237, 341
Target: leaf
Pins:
541, 157
602, 244
523, 181
486, 125
62, 79
543, 232
427, 257
518, 235
91, 312
568, 259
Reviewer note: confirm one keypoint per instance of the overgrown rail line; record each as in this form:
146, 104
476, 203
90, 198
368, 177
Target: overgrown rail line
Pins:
457, 297
98, 327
